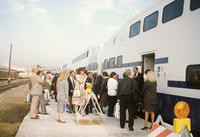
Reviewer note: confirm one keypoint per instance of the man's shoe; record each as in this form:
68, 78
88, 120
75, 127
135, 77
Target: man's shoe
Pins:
45, 114
131, 129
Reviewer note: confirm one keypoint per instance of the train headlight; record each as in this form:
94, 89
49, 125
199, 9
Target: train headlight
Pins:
181, 109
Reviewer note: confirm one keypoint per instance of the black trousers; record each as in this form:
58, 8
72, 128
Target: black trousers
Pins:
126, 102
112, 100
88, 107
55, 96
103, 99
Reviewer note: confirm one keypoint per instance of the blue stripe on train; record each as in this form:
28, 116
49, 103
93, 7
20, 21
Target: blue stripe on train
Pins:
177, 84
138, 63
167, 102
161, 60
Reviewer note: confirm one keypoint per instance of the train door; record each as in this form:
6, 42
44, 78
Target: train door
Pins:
148, 62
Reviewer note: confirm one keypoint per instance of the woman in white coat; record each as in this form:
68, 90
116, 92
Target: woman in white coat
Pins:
112, 93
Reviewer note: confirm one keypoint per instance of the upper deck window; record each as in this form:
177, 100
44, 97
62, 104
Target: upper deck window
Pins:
119, 61
106, 63
172, 10
134, 29
193, 76
194, 4
112, 62
150, 21
87, 54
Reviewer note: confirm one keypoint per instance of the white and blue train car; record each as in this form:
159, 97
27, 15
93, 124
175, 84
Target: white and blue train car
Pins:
163, 38
79, 61
94, 59
89, 59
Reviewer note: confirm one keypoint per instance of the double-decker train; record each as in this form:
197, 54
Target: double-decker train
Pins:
163, 38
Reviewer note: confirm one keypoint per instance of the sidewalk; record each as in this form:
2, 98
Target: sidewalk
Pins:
47, 126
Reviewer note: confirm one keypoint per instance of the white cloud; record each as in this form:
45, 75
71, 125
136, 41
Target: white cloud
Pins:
90, 7
51, 28
33, 1
12, 5
134, 5
16, 5
2, 11
43, 18
39, 12
86, 16
112, 29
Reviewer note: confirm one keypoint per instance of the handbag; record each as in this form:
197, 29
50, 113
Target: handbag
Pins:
77, 93
117, 111
28, 98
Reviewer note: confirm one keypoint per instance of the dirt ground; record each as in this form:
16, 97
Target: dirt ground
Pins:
13, 108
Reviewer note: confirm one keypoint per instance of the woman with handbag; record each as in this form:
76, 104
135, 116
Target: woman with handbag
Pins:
79, 91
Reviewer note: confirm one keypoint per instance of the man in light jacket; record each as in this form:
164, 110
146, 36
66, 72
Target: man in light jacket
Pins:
36, 90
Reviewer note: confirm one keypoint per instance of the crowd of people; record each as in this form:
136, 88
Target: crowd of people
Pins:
109, 90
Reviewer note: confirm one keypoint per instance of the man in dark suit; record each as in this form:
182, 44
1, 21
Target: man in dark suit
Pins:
97, 85
139, 79
71, 89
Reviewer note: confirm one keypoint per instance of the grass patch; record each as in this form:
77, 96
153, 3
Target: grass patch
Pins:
11, 118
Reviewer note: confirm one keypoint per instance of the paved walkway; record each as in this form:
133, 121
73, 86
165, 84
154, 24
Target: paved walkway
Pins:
47, 126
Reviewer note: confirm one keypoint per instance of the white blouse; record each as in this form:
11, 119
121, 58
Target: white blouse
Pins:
112, 87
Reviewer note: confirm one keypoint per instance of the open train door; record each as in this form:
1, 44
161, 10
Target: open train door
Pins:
148, 62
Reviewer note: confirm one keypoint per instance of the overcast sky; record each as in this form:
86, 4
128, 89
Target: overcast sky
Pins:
51, 32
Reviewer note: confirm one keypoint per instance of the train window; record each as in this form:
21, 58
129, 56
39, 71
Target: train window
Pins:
150, 21
88, 67
112, 62
106, 64
193, 76
87, 54
119, 61
172, 10
96, 66
134, 29
114, 40
194, 4
91, 66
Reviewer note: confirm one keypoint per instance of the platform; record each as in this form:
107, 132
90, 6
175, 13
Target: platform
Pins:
47, 126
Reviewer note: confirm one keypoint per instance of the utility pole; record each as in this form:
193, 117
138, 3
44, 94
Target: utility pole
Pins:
9, 76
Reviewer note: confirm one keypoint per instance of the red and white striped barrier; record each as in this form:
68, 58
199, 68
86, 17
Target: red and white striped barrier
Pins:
160, 131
